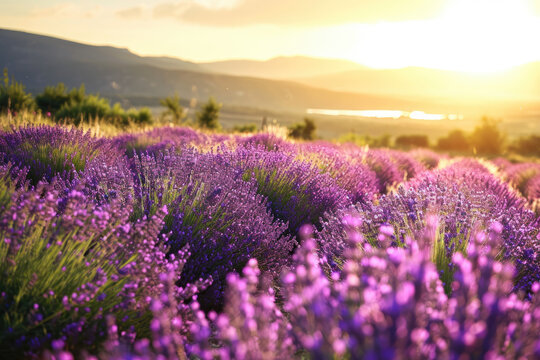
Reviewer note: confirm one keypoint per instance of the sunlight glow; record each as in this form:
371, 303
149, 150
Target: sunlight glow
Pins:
470, 36
385, 114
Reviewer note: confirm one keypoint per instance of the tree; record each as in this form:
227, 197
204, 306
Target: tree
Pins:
528, 146
456, 140
208, 117
305, 131
13, 96
486, 138
174, 109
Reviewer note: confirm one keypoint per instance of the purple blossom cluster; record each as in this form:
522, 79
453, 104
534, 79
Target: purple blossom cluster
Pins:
175, 244
466, 197
525, 177
213, 210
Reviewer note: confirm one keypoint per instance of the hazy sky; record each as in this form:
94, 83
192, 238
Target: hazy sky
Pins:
470, 35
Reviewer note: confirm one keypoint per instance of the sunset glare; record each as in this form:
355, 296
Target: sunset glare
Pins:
463, 35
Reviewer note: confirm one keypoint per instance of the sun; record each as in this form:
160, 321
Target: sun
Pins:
475, 36
488, 35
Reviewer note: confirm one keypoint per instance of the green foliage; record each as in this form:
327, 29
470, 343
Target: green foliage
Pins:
363, 140
7, 188
208, 117
144, 116
304, 131
410, 141
53, 255
456, 141
248, 128
174, 109
527, 146
90, 108
93, 107
13, 96
486, 138
439, 255
54, 97
58, 159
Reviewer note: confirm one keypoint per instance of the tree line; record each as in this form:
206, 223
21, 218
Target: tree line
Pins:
75, 106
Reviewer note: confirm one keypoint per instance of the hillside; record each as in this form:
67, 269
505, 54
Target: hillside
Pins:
117, 73
38, 61
522, 83
282, 67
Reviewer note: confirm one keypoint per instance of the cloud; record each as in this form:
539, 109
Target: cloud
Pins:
67, 10
131, 13
54, 10
299, 12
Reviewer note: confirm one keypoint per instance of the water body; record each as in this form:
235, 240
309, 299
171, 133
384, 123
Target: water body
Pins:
386, 114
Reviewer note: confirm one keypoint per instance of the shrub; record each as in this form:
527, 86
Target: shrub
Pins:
13, 97
363, 140
456, 141
528, 146
248, 128
486, 138
173, 108
305, 131
208, 117
53, 98
92, 107
409, 141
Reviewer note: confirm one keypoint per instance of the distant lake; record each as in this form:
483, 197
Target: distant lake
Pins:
386, 114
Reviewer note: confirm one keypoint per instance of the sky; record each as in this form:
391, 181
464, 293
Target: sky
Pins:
463, 35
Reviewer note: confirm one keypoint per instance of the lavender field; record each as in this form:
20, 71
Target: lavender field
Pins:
179, 244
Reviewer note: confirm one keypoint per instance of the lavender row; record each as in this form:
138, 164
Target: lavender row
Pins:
175, 243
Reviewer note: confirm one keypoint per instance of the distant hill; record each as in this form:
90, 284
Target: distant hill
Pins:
522, 82
38, 61
23, 49
282, 67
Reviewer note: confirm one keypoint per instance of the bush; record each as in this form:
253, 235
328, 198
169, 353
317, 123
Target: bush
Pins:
248, 128
409, 141
363, 140
305, 131
486, 138
527, 146
93, 107
13, 96
208, 117
174, 109
90, 108
456, 140
53, 98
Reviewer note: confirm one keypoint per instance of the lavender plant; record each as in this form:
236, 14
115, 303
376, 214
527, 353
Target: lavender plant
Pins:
66, 264
213, 210
297, 192
48, 151
465, 200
